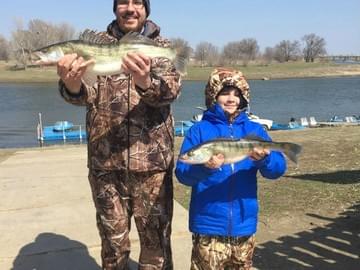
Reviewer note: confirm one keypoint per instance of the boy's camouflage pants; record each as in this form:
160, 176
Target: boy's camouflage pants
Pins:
222, 253
149, 198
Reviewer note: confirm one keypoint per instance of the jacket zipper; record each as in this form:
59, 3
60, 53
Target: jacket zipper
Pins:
230, 227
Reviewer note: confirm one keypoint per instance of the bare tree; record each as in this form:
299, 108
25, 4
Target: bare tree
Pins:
287, 50
268, 55
21, 42
231, 53
249, 49
244, 50
65, 32
4, 49
206, 53
314, 47
213, 55
39, 34
182, 46
44, 34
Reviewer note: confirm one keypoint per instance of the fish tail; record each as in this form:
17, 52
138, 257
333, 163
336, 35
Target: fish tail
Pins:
180, 61
292, 150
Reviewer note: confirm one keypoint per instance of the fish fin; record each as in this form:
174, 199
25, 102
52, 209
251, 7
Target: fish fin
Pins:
89, 77
93, 37
227, 139
292, 150
180, 61
136, 38
254, 137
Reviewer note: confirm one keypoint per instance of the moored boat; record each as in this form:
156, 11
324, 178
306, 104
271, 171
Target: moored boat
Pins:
289, 126
60, 131
182, 127
336, 121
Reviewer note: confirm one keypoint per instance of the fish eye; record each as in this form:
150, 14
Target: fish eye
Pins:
191, 153
45, 50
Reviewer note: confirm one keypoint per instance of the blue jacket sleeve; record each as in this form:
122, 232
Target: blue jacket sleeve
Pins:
188, 174
274, 165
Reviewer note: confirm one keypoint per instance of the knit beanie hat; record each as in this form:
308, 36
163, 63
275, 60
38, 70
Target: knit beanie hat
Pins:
222, 77
146, 5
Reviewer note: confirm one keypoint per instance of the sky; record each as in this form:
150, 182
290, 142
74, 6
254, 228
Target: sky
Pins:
214, 21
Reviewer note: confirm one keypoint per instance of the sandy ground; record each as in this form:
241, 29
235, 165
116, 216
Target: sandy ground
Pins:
310, 218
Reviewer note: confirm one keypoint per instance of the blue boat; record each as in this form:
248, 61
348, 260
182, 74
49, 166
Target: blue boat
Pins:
182, 127
60, 131
63, 125
290, 126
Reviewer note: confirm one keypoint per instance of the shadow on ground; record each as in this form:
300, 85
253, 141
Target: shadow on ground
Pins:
56, 252
338, 177
335, 246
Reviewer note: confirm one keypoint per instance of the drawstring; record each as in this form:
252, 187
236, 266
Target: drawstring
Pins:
128, 127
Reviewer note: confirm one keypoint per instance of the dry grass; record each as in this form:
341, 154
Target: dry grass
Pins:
327, 176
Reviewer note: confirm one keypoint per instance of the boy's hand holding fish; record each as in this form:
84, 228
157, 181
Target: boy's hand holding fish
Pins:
258, 153
215, 162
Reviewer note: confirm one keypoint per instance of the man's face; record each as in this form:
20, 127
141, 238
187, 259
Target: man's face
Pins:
130, 15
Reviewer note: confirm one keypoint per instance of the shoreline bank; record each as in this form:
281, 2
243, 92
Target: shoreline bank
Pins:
297, 70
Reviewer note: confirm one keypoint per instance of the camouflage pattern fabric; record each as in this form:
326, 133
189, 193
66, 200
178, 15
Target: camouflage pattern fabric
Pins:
148, 197
221, 253
127, 127
225, 77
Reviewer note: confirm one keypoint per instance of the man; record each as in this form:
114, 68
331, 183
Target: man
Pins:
130, 142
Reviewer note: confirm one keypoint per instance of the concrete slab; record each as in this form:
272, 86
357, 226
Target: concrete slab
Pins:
46, 223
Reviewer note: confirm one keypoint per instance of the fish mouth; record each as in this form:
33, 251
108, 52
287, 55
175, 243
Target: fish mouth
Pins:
37, 58
183, 158
40, 58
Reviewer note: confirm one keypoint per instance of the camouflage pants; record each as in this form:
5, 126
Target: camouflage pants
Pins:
221, 253
148, 197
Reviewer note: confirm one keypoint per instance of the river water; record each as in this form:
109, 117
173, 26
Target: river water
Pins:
278, 100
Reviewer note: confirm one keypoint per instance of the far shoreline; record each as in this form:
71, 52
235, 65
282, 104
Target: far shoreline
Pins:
276, 71
47, 80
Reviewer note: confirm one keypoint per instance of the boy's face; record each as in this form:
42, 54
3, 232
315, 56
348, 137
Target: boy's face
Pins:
229, 99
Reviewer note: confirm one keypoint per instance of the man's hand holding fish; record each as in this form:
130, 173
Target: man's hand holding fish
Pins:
138, 65
71, 68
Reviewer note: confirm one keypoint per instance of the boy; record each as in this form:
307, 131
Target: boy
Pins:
224, 207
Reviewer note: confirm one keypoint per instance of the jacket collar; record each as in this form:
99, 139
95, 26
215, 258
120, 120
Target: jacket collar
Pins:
216, 114
150, 30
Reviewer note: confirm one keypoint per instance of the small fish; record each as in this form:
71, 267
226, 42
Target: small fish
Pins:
236, 150
106, 57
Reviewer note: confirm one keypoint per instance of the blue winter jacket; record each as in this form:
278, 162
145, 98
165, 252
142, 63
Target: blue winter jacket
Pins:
224, 201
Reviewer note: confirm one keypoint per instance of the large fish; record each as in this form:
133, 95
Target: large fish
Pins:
236, 150
106, 57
